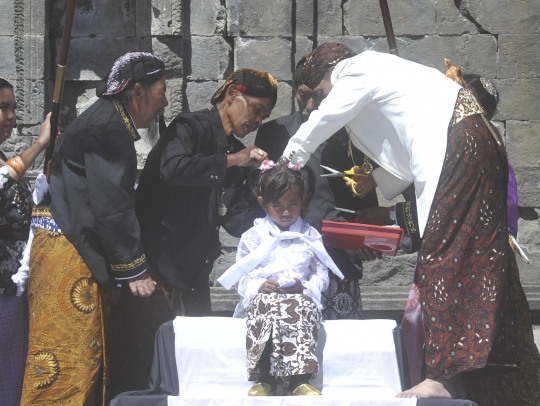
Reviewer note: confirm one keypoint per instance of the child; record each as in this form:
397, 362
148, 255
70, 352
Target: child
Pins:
280, 272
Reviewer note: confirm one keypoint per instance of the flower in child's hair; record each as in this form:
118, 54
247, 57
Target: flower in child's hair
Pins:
267, 165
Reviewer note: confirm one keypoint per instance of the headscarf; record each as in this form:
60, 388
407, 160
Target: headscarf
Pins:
141, 67
297, 78
323, 58
252, 82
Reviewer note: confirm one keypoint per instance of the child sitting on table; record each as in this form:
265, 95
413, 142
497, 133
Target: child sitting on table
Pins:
280, 272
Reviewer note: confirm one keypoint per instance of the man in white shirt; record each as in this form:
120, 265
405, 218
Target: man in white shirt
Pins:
424, 129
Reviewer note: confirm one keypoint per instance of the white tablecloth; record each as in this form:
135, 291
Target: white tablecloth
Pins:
357, 357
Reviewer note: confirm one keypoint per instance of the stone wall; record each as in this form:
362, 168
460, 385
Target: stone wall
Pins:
202, 41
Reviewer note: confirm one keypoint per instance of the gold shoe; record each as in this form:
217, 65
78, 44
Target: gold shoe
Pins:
260, 389
305, 389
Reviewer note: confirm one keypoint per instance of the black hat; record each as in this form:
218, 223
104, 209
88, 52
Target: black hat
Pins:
141, 67
252, 82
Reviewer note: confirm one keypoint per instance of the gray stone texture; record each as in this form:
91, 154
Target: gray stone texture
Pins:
505, 17
450, 21
363, 17
170, 50
175, 98
211, 58
207, 17
263, 18
199, 94
166, 17
269, 55
303, 45
7, 50
519, 56
305, 10
330, 17
7, 17
518, 99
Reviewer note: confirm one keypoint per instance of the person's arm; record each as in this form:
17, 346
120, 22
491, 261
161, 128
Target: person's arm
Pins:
318, 279
350, 93
182, 165
249, 285
108, 156
29, 155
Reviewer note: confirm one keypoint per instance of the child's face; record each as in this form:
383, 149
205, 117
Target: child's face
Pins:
286, 210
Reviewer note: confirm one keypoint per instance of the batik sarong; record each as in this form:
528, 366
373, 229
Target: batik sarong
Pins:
292, 322
476, 315
342, 299
66, 346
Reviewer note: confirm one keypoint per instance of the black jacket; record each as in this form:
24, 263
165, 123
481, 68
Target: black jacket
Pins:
177, 197
93, 176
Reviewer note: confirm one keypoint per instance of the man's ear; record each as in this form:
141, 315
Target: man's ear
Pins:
232, 92
262, 203
137, 91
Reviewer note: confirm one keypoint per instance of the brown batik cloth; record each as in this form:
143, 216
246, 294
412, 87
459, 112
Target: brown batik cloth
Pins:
342, 300
476, 314
66, 347
292, 322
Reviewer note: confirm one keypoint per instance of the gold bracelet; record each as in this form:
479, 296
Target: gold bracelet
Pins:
17, 167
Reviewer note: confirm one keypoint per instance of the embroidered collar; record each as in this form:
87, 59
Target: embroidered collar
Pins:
127, 120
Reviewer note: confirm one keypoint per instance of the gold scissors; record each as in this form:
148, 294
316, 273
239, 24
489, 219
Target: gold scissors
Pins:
366, 169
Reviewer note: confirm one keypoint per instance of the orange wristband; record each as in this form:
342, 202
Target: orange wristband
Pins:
17, 167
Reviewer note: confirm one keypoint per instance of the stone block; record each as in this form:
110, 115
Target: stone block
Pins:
363, 17
528, 180
470, 47
505, 17
233, 24
211, 58
389, 271
169, 49
30, 96
284, 102
523, 143
35, 60
96, 18
8, 67
264, 18
207, 17
143, 18
198, 94
357, 44
518, 99
519, 56
499, 125
7, 18
78, 96
175, 97
269, 55
92, 58
329, 17
450, 21
305, 12
166, 17
35, 18
303, 45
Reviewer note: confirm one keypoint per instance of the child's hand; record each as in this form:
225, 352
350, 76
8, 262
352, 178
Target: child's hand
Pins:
297, 288
270, 286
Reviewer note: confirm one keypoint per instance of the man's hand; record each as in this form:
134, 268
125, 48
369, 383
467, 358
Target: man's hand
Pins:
247, 157
364, 184
368, 255
375, 215
143, 285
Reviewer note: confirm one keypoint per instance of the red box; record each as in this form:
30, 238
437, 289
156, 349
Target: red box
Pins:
352, 236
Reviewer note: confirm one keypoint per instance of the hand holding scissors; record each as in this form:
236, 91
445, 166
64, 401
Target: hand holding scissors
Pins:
347, 175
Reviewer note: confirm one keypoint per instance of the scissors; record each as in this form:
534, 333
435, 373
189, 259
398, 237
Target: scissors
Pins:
366, 170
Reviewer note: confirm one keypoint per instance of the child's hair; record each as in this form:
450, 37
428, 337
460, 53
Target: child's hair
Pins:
484, 91
273, 183
4, 83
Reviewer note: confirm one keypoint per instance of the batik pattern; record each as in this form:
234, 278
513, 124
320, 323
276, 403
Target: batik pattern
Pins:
292, 322
342, 299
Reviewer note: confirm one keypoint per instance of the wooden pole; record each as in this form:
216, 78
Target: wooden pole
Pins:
388, 27
60, 79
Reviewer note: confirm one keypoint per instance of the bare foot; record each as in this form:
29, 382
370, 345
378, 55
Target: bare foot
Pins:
426, 389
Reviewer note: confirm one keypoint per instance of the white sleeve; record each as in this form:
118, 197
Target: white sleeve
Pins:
21, 277
248, 286
318, 280
349, 94
389, 185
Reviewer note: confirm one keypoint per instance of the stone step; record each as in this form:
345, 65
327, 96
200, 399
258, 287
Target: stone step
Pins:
373, 298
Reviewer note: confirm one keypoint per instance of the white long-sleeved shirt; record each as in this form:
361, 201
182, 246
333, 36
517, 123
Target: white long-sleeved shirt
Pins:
397, 112
291, 258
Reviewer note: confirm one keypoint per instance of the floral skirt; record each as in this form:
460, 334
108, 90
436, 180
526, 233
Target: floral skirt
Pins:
342, 299
66, 346
292, 322
476, 316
